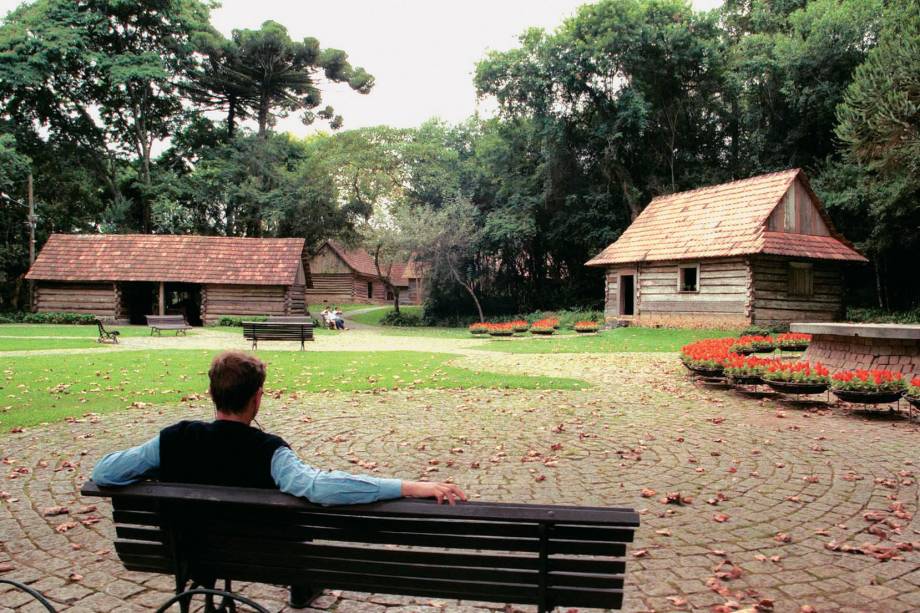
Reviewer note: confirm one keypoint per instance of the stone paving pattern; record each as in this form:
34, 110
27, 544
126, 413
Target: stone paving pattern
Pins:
800, 470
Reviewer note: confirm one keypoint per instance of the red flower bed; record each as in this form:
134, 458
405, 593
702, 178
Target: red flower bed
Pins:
500, 329
587, 326
913, 388
797, 372
747, 366
868, 381
520, 325
793, 339
707, 353
479, 328
544, 326
750, 344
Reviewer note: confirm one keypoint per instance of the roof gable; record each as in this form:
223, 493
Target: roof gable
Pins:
362, 263
716, 221
170, 258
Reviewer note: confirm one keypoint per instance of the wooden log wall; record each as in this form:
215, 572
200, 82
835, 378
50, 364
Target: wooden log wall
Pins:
91, 298
611, 296
238, 300
772, 303
723, 288
295, 300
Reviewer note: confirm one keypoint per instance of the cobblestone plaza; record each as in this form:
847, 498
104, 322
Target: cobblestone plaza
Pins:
777, 498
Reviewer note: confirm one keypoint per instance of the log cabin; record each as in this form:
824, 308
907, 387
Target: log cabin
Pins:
336, 274
759, 251
123, 277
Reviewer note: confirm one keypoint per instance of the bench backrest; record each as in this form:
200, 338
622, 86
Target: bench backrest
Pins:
277, 331
529, 554
290, 319
153, 320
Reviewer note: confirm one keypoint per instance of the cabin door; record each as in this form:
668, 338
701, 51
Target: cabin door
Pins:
627, 285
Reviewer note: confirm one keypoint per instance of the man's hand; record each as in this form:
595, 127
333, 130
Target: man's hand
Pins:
426, 489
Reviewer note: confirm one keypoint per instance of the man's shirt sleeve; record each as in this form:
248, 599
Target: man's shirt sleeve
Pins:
328, 487
130, 465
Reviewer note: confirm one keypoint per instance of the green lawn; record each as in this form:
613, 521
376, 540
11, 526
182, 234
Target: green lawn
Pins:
609, 341
67, 330
372, 318
40, 388
31, 343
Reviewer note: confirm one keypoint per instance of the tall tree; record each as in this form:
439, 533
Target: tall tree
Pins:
102, 76
268, 75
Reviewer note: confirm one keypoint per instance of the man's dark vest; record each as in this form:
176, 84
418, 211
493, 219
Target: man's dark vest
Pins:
217, 453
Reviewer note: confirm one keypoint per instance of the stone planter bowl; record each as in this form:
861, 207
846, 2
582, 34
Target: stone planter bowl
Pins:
793, 387
745, 379
859, 397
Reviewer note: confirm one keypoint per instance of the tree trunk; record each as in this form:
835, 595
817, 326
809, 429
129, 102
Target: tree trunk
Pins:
467, 287
395, 291
878, 284
263, 114
231, 116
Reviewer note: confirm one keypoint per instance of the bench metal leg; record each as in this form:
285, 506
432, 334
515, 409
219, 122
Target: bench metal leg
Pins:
302, 595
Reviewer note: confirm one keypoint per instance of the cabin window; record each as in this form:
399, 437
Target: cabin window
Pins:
390, 295
801, 279
688, 278
370, 289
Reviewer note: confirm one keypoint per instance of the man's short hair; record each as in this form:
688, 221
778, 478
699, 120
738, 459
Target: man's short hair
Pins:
235, 378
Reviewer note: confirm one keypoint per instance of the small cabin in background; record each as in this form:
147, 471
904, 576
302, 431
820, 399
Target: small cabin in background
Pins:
124, 277
757, 251
339, 275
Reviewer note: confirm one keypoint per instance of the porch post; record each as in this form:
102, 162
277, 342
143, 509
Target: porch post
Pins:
162, 298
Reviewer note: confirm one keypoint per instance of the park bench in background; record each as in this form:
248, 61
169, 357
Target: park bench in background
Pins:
547, 555
290, 319
158, 323
256, 331
107, 336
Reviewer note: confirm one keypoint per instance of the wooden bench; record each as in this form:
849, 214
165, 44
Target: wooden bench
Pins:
158, 323
107, 336
546, 555
256, 331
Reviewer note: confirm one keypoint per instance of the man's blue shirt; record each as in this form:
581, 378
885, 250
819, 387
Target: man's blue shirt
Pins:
290, 475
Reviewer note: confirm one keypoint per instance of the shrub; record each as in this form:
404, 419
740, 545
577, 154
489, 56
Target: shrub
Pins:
797, 372
479, 328
402, 320
80, 319
874, 315
235, 321
868, 381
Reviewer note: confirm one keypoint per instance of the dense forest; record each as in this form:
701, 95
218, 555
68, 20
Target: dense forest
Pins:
138, 116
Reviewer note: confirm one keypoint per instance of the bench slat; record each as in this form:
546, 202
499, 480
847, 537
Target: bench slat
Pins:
188, 493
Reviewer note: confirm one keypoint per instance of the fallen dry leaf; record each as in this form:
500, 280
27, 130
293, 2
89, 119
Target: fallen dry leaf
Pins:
720, 518
782, 537
52, 511
648, 492
640, 553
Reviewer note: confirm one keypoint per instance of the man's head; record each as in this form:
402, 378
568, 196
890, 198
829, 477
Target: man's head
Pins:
236, 383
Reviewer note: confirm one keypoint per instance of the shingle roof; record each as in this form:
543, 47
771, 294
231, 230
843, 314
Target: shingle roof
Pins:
183, 259
362, 262
808, 246
719, 221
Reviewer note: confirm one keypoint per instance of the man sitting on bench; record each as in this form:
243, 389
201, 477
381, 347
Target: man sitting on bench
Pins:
229, 451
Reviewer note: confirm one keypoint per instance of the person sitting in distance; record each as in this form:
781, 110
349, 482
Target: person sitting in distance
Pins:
339, 319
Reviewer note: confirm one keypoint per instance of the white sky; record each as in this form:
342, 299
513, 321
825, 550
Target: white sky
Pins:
422, 52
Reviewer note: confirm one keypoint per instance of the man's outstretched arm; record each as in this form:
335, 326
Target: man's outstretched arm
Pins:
129, 465
336, 487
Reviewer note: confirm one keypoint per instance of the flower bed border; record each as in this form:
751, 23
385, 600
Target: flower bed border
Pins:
868, 397
794, 387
